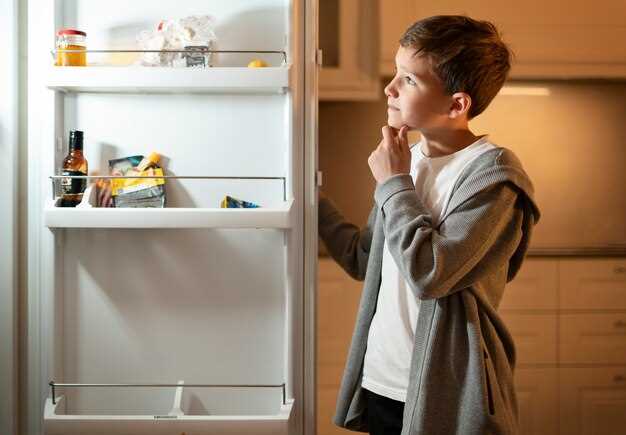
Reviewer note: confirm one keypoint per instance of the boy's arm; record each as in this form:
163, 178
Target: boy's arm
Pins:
347, 244
478, 237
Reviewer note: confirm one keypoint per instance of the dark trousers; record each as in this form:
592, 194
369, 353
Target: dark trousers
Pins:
384, 415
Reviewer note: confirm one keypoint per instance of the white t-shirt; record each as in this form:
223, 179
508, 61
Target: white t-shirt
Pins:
392, 332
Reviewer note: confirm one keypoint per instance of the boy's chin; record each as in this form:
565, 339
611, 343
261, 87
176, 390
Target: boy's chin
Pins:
394, 122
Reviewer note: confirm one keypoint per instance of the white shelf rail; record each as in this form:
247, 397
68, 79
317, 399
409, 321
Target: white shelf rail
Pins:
59, 418
54, 178
195, 51
181, 384
275, 216
103, 78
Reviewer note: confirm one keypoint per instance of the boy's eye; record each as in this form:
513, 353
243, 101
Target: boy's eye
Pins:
409, 80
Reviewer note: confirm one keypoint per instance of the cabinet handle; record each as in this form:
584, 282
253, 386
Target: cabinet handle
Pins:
619, 270
619, 378
619, 324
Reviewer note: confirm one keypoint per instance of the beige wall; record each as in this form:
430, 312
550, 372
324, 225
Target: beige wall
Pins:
571, 139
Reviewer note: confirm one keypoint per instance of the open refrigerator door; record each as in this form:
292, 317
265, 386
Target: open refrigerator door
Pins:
179, 309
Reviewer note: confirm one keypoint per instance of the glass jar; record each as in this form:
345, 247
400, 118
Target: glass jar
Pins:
75, 42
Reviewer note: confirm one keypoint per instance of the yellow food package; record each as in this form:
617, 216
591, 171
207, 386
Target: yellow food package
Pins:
127, 185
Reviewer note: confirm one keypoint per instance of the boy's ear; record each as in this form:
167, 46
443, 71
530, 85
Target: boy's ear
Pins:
461, 103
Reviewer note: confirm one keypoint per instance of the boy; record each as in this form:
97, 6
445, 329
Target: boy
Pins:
450, 226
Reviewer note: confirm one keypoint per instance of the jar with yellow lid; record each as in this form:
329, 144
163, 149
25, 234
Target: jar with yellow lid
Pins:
71, 48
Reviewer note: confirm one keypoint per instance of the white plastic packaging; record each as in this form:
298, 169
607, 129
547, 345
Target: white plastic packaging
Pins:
195, 30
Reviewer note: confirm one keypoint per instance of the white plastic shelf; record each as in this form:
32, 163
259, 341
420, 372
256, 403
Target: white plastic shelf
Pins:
57, 422
278, 217
135, 79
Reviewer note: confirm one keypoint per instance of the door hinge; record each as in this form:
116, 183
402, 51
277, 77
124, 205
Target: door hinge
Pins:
319, 57
318, 178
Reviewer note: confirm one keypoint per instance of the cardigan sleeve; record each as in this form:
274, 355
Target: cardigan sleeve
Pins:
476, 238
348, 244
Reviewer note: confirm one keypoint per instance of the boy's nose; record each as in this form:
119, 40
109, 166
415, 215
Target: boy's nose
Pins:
390, 89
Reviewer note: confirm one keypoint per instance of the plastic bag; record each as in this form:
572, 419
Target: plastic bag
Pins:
195, 30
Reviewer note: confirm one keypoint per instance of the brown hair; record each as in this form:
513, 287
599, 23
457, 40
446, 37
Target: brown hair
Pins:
467, 55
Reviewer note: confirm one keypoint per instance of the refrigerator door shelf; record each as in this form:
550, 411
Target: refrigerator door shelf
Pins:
278, 217
162, 80
56, 422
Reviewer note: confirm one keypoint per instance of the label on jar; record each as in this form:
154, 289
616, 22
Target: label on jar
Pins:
71, 186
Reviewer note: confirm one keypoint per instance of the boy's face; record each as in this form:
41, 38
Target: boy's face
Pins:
415, 95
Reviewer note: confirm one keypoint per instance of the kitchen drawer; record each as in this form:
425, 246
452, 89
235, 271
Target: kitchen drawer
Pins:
592, 284
534, 287
592, 401
592, 338
535, 337
537, 398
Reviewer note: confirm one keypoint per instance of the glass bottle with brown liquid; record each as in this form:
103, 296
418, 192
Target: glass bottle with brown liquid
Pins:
74, 164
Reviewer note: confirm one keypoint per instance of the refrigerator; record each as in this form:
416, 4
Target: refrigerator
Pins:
188, 319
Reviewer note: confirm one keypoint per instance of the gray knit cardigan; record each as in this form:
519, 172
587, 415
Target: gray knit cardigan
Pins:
461, 376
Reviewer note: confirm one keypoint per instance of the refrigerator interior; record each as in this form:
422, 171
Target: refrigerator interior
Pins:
144, 300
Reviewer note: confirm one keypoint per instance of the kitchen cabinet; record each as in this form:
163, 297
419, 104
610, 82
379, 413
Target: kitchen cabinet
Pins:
592, 346
592, 338
529, 308
534, 288
567, 318
535, 337
592, 284
537, 397
592, 401
568, 321
554, 39
348, 40
564, 316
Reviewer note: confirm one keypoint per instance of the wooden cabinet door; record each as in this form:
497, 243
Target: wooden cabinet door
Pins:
592, 338
535, 337
592, 401
550, 39
537, 396
592, 284
534, 288
348, 38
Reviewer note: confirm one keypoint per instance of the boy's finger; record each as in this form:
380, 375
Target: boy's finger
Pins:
402, 136
101, 194
389, 140
395, 132
106, 199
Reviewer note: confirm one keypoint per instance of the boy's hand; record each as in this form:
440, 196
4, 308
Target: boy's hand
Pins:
103, 190
392, 156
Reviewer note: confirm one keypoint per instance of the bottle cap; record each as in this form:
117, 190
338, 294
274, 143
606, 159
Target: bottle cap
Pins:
76, 139
71, 32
